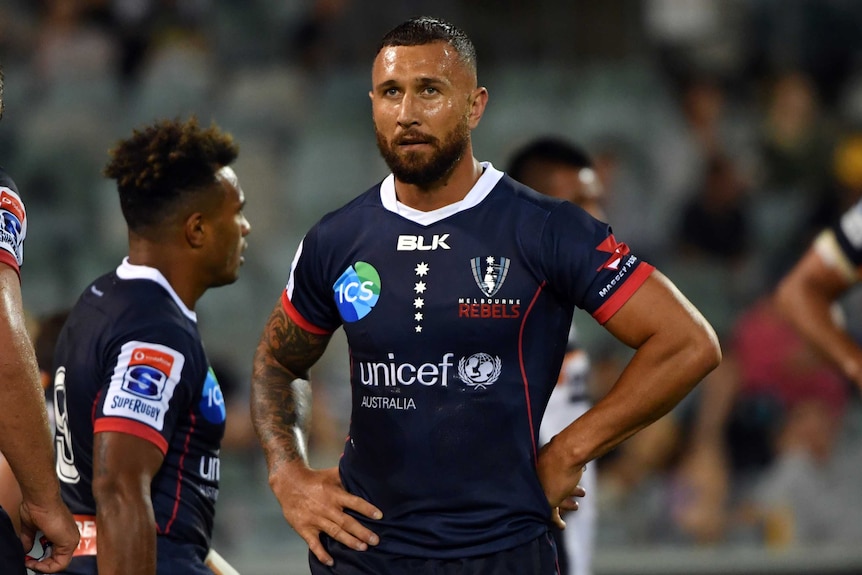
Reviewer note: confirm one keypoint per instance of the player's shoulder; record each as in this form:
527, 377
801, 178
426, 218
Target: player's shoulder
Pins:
529, 201
526, 197
136, 305
369, 199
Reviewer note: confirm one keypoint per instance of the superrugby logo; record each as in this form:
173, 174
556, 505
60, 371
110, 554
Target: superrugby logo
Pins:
147, 373
356, 292
617, 251
479, 370
490, 273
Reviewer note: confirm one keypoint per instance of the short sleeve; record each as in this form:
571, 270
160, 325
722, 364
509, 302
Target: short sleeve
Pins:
587, 265
307, 299
151, 384
13, 228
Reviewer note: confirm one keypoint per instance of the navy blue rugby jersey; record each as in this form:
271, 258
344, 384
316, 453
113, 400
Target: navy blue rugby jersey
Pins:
457, 322
13, 223
129, 359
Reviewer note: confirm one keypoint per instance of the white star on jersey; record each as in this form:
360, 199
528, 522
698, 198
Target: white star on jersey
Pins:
422, 269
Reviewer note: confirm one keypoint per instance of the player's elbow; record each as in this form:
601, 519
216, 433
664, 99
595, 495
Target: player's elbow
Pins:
704, 350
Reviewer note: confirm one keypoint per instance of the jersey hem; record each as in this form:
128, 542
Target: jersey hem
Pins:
298, 319
120, 425
607, 310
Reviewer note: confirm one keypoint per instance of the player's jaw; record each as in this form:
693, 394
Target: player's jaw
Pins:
422, 159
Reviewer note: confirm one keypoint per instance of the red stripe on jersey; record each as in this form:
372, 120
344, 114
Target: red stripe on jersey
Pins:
524, 373
180, 476
132, 427
607, 310
298, 319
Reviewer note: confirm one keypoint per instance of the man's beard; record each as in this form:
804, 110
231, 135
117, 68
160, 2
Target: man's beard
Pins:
417, 169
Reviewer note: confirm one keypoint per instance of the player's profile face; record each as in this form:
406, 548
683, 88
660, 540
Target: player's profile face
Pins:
230, 228
421, 103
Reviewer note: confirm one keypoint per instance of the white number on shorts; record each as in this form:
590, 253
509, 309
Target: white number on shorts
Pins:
66, 470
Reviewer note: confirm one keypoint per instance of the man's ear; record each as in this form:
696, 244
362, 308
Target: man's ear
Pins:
195, 229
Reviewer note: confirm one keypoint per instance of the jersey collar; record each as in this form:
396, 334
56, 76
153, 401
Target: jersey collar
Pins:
489, 178
127, 271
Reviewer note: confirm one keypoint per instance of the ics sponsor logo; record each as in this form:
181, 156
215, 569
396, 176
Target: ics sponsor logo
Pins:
212, 400
356, 292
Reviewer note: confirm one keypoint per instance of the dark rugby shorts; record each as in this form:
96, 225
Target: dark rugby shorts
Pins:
536, 557
11, 550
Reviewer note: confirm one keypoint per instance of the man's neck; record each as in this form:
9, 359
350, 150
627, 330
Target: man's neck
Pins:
449, 190
178, 273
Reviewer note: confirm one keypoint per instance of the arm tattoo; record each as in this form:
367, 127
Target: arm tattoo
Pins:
280, 392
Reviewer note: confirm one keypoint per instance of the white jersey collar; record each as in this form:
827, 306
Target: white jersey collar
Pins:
127, 271
489, 178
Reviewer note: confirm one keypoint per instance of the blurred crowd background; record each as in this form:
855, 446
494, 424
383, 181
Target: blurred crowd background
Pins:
726, 133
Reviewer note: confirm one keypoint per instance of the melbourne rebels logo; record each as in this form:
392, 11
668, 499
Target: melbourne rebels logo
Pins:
479, 370
356, 292
147, 373
490, 273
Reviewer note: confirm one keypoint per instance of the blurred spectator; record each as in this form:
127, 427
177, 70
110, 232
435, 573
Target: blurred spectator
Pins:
714, 220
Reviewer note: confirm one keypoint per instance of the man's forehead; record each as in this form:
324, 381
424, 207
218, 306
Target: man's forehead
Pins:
434, 57
226, 173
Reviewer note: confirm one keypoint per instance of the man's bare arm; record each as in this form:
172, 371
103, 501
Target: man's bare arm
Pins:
123, 469
25, 438
805, 297
280, 392
675, 348
312, 501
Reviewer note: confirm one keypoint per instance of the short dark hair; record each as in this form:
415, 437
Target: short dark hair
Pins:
425, 30
549, 149
162, 164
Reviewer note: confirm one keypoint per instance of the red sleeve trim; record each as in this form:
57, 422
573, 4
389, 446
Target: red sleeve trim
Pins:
130, 427
298, 319
11, 261
607, 310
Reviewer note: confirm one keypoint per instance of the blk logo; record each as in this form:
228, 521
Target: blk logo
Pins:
418, 243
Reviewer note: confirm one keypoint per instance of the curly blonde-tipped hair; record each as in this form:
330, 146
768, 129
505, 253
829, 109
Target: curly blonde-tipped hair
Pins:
160, 165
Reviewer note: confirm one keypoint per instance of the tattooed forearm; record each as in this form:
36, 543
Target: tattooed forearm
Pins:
280, 394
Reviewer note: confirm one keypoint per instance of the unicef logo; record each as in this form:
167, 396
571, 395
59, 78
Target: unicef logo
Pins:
356, 292
479, 370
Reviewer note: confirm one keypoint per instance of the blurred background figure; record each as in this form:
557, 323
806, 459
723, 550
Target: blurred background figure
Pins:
561, 169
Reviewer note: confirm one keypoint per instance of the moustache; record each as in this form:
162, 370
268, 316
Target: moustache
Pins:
414, 137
